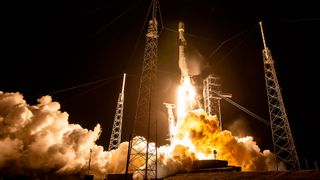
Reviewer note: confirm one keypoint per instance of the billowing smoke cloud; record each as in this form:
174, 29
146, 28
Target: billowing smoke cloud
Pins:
39, 138
198, 134
191, 63
239, 127
194, 62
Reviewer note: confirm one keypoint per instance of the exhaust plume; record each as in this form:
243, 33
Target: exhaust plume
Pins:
198, 134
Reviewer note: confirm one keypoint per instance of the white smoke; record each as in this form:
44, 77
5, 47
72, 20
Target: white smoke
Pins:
40, 138
191, 63
239, 127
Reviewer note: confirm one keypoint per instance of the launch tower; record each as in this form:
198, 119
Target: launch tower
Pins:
211, 100
140, 148
115, 138
283, 144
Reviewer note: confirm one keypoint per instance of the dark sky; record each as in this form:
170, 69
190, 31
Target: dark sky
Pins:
51, 46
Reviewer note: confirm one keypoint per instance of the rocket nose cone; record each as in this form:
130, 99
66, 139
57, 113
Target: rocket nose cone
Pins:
181, 25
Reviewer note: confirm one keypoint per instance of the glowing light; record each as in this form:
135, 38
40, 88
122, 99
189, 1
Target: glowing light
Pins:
186, 97
202, 156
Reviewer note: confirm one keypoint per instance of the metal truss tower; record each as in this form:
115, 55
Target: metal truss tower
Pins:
283, 143
142, 152
115, 138
171, 121
211, 100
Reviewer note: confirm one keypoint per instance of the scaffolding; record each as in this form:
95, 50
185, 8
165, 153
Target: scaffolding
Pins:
115, 138
283, 143
212, 96
141, 151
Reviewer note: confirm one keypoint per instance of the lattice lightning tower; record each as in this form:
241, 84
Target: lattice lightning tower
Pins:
283, 143
115, 138
139, 146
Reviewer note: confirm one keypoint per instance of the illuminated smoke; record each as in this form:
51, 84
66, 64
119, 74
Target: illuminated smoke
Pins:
198, 134
183, 66
239, 127
39, 138
194, 62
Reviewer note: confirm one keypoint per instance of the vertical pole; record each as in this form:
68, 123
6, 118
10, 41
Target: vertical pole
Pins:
148, 135
128, 156
219, 111
316, 165
155, 146
89, 161
306, 161
123, 84
262, 33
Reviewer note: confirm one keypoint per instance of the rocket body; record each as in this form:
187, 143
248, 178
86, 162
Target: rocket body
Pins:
186, 91
182, 45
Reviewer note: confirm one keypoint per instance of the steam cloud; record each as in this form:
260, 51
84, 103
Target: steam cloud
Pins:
198, 135
39, 138
191, 63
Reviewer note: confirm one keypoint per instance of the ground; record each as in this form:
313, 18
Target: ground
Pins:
302, 174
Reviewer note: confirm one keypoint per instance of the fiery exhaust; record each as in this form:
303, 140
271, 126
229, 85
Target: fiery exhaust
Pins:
186, 97
197, 136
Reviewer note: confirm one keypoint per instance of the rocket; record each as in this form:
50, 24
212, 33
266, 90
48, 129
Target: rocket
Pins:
182, 45
186, 90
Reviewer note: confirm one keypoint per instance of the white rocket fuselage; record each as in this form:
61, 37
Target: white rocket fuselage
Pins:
186, 91
182, 58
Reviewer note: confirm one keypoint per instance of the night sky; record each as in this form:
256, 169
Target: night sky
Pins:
77, 51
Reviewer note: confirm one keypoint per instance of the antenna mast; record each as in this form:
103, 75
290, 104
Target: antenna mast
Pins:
283, 143
115, 138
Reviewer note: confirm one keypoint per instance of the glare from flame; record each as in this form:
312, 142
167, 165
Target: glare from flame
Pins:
186, 97
197, 136
186, 100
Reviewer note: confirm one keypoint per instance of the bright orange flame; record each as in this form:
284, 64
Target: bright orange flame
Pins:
197, 136
186, 100
186, 97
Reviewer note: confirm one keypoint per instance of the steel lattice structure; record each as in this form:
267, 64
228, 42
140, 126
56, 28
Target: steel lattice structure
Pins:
115, 138
210, 100
171, 121
283, 143
141, 151
212, 96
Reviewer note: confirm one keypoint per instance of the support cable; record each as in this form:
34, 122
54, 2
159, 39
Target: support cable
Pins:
140, 34
105, 80
161, 20
187, 34
243, 109
112, 21
236, 46
228, 40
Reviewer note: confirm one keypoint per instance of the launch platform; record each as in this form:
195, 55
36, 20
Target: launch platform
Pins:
212, 165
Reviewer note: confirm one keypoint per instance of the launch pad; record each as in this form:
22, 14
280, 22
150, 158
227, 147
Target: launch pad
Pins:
208, 166
202, 164
213, 165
